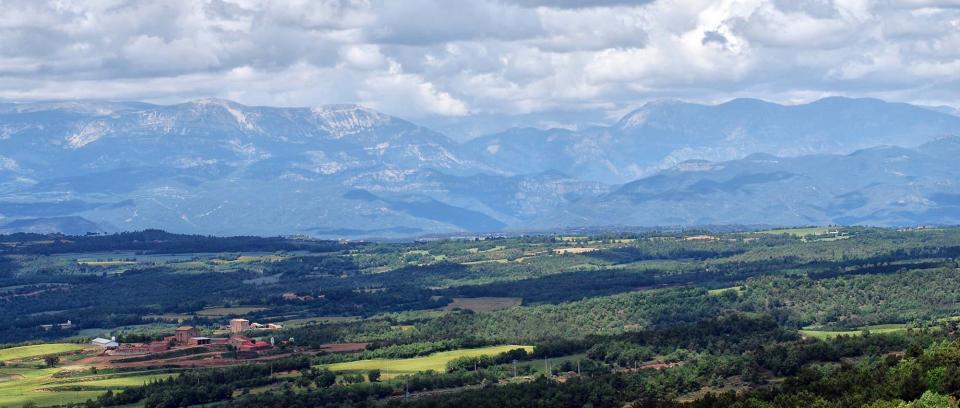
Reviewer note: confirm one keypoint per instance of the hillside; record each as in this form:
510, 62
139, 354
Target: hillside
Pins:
217, 167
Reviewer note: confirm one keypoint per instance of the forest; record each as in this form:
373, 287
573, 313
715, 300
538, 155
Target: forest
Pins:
836, 317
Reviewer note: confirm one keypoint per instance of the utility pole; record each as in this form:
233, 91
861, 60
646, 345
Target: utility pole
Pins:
514, 368
578, 368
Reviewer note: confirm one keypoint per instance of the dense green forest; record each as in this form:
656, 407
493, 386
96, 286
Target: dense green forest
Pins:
836, 317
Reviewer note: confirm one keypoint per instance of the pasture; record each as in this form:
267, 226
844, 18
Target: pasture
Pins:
38, 350
876, 329
391, 368
41, 386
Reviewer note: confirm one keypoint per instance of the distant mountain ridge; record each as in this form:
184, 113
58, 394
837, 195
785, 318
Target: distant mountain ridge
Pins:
218, 167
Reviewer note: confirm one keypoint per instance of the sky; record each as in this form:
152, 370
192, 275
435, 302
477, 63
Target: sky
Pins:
481, 58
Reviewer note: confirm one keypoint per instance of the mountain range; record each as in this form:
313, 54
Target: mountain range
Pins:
214, 166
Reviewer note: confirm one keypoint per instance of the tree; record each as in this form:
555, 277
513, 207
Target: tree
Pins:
51, 361
373, 375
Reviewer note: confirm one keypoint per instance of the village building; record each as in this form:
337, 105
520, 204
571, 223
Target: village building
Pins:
243, 343
238, 326
158, 346
106, 344
198, 341
63, 326
185, 333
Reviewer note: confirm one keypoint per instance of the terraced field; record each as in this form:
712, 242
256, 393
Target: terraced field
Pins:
19, 385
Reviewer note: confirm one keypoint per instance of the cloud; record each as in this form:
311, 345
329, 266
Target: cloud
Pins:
429, 58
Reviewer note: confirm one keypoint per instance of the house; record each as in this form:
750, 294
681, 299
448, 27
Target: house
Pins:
106, 344
158, 346
243, 343
185, 333
238, 326
255, 345
63, 326
198, 341
289, 296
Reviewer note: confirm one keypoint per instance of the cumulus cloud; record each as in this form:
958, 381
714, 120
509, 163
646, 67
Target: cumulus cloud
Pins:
434, 58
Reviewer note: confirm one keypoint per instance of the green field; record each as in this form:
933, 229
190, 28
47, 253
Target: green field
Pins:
437, 362
228, 311
19, 385
25, 352
539, 366
877, 329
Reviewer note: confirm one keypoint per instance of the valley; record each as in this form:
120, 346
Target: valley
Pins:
683, 317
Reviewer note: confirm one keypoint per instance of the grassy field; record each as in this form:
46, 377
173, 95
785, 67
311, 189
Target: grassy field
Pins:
437, 362
877, 329
20, 385
485, 304
25, 352
113, 382
226, 311
539, 366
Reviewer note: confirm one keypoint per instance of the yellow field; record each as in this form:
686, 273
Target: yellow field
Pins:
437, 361
225, 311
25, 352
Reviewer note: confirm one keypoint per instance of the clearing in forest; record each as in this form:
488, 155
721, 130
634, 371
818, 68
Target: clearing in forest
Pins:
876, 329
437, 361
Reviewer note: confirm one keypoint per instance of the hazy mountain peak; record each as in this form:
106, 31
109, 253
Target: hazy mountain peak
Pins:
342, 120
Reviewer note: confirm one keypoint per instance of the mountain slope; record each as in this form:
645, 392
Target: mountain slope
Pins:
877, 186
662, 134
217, 167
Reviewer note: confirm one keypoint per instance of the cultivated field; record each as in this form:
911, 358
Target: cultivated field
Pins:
27, 352
877, 329
228, 311
41, 386
436, 362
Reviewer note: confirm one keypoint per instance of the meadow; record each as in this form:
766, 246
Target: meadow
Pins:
437, 362
875, 329
38, 350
